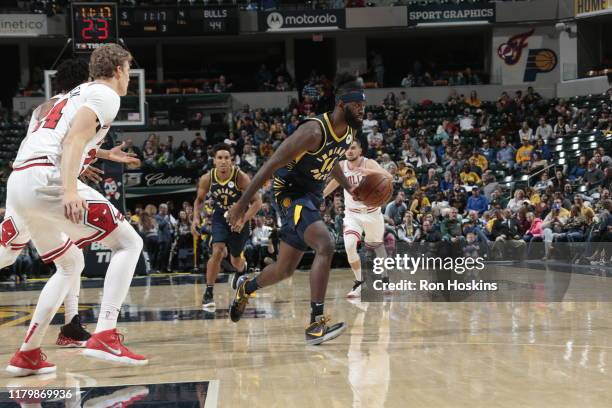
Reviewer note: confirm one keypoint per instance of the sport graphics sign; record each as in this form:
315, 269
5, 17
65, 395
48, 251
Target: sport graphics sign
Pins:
524, 55
450, 13
301, 20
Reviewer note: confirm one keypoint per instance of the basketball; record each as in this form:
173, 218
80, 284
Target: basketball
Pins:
375, 190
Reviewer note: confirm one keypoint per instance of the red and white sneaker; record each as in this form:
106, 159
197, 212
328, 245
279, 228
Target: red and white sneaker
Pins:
29, 362
108, 346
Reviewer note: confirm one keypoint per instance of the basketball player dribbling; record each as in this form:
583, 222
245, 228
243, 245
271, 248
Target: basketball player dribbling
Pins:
225, 183
301, 165
358, 217
63, 214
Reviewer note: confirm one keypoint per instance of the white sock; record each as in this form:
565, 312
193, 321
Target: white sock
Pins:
127, 246
69, 268
71, 303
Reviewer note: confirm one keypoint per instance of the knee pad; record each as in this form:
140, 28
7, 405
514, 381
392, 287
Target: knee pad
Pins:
72, 262
350, 244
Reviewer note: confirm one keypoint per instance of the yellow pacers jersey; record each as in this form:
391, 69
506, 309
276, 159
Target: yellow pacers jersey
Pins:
308, 173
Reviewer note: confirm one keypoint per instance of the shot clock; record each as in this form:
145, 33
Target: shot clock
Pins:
93, 24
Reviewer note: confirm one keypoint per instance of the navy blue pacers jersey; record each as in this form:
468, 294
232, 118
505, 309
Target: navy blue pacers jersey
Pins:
307, 174
224, 193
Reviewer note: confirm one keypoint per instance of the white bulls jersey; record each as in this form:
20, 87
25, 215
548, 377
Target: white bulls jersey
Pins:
354, 178
43, 142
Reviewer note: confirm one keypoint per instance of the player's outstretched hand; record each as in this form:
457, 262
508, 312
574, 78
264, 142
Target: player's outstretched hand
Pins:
117, 154
235, 215
74, 207
92, 174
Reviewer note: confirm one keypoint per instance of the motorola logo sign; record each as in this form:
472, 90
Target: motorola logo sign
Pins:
275, 21
296, 20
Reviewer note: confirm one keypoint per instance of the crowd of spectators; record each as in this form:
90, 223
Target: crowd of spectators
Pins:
469, 174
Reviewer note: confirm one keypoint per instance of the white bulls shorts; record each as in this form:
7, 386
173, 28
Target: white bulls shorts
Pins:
34, 210
370, 221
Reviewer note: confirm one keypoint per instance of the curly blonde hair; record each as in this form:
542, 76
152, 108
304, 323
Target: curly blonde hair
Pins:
106, 59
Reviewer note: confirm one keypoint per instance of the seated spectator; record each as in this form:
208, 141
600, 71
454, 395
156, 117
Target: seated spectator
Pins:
249, 156
375, 137
149, 154
477, 202
466, 121
395, 210
447, 184
441, 132
450, 228
479, 160
281, 84
369, 123
518, 201
593, 177
544, 130
523, 154
419, 204
535, 228
428, 158
506, 155
408, 81
473, 100
429, 234
525, 132
505, 231
429, 182
578, 171
543, 183
561, 128
409, 181
409, 230
221, 85
537, 162
469, 177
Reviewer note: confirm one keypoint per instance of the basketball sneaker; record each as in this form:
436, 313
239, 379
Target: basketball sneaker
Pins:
208, 300
29, 363
356, 291
237, 275
240, 299
319, 332
73, 334
108, 346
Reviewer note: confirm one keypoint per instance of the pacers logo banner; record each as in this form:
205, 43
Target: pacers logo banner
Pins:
523, 56
302, 20
541, 60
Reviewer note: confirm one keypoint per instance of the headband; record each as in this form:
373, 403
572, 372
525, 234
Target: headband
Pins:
353, 96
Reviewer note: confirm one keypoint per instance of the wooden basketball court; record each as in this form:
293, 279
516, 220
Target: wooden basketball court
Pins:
504, 354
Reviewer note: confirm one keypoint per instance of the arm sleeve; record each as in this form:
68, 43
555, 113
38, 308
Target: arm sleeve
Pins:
103, 101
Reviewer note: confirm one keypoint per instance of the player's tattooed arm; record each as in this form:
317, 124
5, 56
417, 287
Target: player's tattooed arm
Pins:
308, 137
243, 182
203, 187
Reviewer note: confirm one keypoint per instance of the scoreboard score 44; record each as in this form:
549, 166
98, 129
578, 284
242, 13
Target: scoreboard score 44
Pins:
93, 24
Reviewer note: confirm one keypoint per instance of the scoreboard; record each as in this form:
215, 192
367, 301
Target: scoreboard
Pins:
177, 21
93, 24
